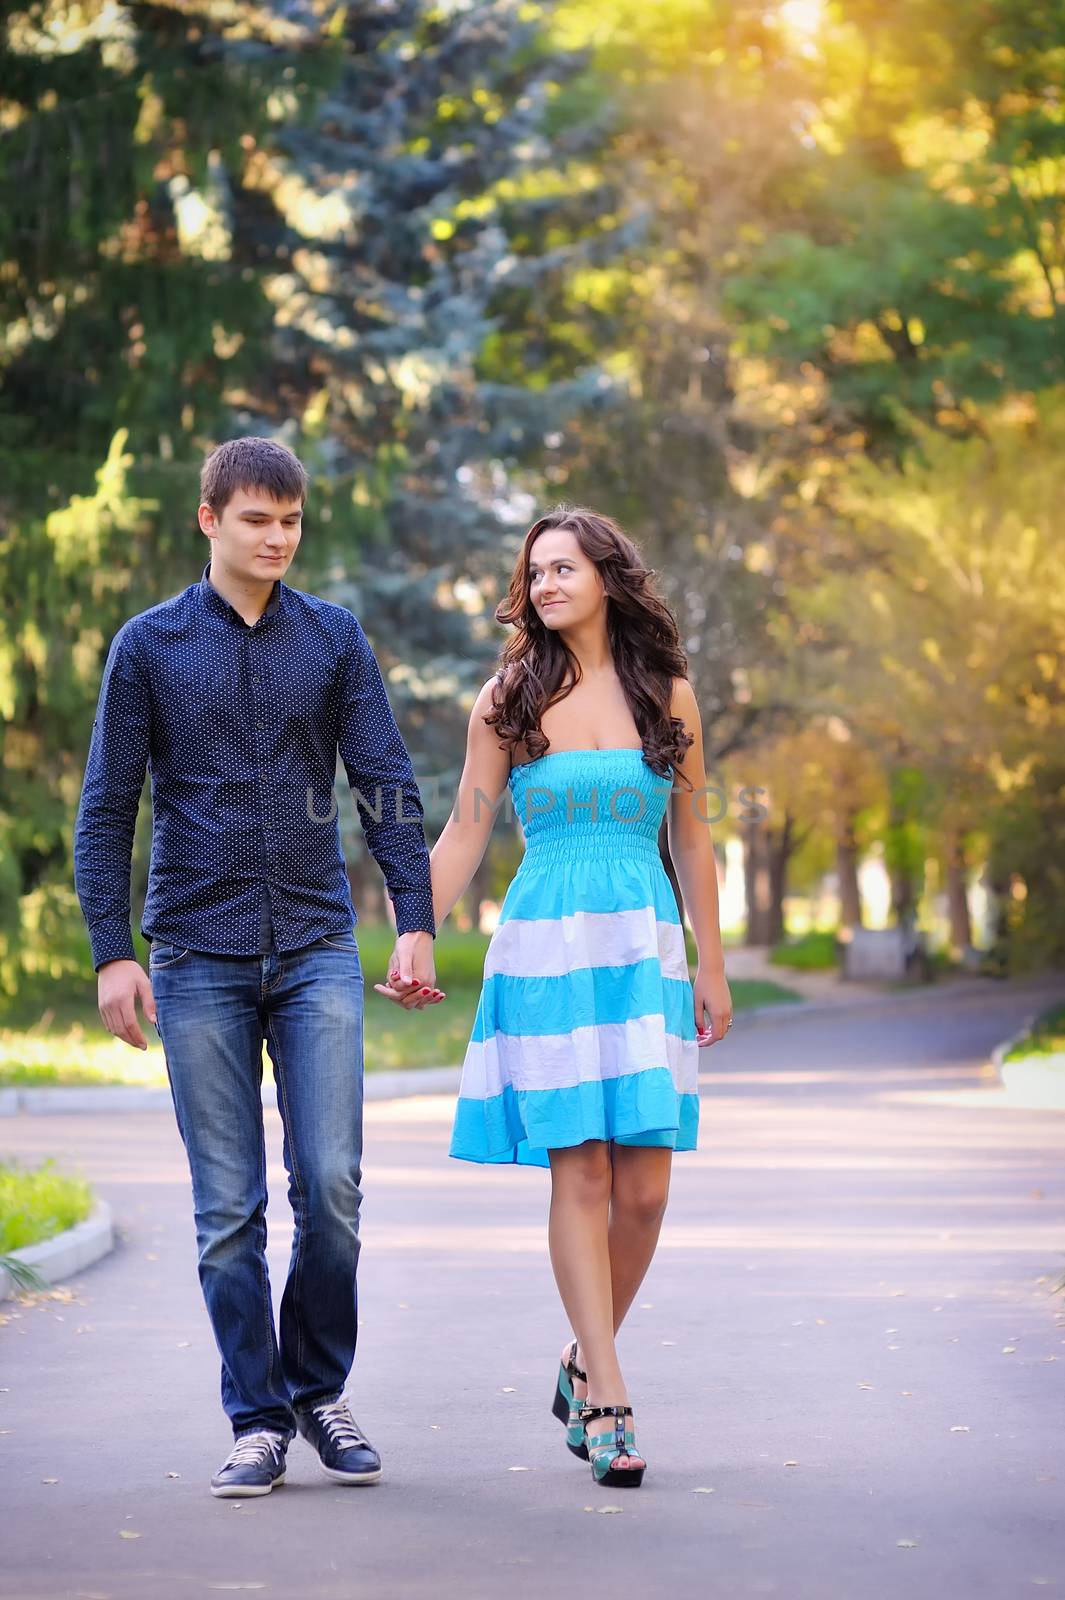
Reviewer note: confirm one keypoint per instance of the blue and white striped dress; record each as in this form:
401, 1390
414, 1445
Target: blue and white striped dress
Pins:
585, 1027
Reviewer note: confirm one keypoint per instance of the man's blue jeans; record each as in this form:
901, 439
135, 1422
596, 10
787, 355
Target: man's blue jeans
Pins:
213, 1013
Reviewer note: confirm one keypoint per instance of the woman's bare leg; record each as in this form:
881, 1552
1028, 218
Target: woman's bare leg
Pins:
637, 1206
639, 1194
578, 1235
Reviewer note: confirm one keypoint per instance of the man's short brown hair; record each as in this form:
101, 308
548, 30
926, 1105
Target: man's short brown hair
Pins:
251, 464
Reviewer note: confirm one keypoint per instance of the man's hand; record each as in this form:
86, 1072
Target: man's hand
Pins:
121, 982
412, 973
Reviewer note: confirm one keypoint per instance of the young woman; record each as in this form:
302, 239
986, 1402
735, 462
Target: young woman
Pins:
584, 1053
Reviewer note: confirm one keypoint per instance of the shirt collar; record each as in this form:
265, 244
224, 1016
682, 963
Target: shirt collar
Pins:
218, 602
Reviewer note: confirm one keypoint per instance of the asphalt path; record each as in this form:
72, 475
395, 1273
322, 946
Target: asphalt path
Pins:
847, 1360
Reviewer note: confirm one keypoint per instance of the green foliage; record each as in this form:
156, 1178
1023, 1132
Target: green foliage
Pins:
37, 1203
920, 265
227, 221
1028, 855
815, 951
1046, 1038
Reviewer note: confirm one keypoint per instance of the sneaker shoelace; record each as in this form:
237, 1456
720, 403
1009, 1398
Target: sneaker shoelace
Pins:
339, 1423
252, 1449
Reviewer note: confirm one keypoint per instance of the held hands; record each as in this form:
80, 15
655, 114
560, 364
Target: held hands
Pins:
412, 973
713, 998
121, 984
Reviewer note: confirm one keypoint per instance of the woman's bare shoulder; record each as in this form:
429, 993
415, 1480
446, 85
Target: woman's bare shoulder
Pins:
682, 700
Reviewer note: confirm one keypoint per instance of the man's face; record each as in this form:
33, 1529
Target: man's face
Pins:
255, 537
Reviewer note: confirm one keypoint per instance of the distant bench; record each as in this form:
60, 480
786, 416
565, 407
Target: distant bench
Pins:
885, 955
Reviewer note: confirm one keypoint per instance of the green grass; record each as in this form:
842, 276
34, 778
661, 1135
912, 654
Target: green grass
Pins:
53, 1037
1046, 1038
813, 952
38, 1203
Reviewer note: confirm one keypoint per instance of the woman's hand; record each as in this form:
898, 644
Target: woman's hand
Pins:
712, 999
412, 974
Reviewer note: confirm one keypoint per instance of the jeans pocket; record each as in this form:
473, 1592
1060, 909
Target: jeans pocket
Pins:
165, 955
340, 941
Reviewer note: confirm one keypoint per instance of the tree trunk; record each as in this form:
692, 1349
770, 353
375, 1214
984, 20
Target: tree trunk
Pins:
756, 884
780, 844
850, 894
903, 895
961, 931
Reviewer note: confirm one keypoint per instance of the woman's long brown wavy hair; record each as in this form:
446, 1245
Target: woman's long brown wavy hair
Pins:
644, 641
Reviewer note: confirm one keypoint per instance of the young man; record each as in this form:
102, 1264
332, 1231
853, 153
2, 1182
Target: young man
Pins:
238, 693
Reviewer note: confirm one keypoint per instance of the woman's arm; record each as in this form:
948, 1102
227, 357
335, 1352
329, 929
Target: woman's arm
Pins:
457, 853
692, 850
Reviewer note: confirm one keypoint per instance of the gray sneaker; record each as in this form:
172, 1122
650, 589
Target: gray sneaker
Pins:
255, 1465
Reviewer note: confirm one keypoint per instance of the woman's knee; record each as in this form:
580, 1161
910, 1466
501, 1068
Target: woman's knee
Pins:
583, 1175
640, 1192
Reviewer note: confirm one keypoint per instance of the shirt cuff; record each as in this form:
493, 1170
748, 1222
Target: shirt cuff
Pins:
111, 941
414, 912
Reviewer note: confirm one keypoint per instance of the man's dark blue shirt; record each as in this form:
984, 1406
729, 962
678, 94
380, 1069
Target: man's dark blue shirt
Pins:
240, 727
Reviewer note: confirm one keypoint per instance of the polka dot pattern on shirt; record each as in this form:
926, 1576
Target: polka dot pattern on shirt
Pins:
240, 728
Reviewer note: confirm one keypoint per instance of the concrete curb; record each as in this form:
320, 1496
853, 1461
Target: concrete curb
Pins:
115, 1097
1035, 1082
68, 1252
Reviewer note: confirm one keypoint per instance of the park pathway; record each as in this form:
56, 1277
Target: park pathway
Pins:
847, 1362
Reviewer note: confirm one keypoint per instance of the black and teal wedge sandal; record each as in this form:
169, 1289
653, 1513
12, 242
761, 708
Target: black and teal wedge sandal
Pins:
604, 1448
566, 1407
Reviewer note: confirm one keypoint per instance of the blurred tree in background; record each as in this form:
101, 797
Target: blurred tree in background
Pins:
780, 285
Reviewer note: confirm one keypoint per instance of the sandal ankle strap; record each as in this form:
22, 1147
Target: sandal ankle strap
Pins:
589, 1413
572, 1369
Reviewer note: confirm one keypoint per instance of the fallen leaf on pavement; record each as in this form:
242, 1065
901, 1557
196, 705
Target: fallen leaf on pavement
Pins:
127, 1533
